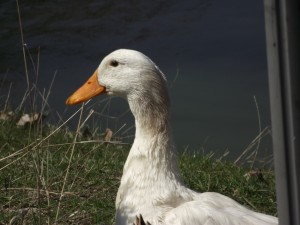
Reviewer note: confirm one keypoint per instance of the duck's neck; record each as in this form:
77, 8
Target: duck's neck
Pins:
153, 142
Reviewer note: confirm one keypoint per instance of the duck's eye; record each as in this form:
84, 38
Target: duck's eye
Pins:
114, 63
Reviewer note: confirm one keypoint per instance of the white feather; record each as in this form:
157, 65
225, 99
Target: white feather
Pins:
151, 184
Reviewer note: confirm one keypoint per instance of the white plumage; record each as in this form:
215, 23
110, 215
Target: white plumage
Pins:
151, 184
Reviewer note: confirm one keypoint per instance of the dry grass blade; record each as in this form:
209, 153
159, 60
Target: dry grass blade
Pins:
23, 45
69, 164
34, 190
33, 145
7, 98
253, 143
259, 131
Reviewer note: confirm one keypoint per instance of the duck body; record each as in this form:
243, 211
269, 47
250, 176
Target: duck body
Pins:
151, 183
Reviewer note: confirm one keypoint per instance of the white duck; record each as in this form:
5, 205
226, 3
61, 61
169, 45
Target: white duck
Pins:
151, 184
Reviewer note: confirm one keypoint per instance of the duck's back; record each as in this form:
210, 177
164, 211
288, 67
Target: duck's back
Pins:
215, 209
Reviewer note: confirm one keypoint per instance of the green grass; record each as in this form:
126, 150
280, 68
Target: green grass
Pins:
32, 181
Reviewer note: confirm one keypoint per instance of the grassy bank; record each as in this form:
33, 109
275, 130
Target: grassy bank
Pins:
48, 176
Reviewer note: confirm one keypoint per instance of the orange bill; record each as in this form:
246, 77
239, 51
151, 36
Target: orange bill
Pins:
88, 90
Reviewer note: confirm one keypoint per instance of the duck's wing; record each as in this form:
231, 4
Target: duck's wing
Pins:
215, 209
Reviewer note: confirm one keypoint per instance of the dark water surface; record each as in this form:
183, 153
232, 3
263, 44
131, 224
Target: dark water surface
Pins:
214, 50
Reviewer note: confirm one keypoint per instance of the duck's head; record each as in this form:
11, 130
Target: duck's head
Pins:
125, 73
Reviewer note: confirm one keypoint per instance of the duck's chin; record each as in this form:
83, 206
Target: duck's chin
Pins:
114, 93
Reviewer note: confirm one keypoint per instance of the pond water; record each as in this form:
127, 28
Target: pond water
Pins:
212, 52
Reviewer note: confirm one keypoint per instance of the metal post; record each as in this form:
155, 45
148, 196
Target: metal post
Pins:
282, 33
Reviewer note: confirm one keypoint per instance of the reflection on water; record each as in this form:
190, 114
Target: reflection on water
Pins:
215, 51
